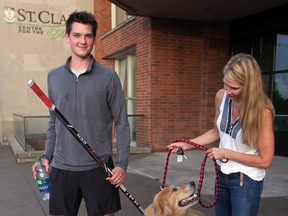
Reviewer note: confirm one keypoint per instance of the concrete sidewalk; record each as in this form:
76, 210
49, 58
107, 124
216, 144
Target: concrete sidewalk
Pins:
19, 193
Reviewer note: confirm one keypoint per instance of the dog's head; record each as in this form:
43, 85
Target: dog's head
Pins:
173, 200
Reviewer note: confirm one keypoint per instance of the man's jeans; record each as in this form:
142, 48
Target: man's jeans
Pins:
235, 200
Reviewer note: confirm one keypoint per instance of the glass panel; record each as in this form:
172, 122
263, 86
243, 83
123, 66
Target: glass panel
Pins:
263, 52
126, 71
280, 93
281, 123
267, 85
123, 74
281, 53
118, 16
280, 90
121, 15
131, 96
131, 76
30, 131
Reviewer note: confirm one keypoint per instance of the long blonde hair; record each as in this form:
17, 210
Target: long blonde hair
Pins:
244, 69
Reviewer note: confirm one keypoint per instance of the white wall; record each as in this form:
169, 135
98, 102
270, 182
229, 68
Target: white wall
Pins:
32, 43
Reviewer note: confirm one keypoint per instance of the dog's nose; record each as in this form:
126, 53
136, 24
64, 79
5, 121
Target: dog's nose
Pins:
192, 183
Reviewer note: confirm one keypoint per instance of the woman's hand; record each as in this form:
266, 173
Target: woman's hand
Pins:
175, 146
217, 153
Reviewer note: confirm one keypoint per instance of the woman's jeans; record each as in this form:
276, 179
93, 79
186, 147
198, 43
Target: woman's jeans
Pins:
235, 200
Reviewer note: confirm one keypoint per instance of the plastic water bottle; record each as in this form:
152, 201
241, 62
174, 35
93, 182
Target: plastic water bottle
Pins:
43, 180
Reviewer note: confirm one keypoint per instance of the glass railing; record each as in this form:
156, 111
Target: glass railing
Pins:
30, 131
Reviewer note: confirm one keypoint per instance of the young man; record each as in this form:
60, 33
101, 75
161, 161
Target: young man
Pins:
90, 96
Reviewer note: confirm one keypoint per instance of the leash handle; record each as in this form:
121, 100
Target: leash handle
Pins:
202, 172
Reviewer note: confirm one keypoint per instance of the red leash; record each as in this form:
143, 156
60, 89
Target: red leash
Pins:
202, 171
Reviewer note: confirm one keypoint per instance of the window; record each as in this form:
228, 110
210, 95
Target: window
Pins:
280, 85
125, 68
118, 16
271, 52
263, 51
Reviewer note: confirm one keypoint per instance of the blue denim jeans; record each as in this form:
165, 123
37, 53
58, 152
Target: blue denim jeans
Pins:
235, 200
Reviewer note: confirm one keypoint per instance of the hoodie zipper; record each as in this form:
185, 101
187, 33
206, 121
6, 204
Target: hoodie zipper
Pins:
77, 79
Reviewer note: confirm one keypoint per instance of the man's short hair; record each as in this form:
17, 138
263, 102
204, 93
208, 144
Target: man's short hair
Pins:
83, 17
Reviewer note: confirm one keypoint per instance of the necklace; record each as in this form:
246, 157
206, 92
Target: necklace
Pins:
234, 116
237, 109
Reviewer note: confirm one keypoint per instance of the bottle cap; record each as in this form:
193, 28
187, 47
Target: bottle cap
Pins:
38, 159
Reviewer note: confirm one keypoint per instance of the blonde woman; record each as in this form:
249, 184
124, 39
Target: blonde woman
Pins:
244, 127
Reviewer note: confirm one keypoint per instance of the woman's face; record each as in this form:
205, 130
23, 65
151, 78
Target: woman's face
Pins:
232, 88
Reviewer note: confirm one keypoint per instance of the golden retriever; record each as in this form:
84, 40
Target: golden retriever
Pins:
174, 201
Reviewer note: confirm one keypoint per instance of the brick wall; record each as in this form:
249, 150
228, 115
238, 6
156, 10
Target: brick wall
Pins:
134, 33
178, 71
216, 55
102, 10
186, 71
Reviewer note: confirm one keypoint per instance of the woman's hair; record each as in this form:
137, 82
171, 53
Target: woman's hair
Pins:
244, 69
83, 17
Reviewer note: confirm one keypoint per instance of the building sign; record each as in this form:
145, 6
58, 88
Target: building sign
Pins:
9, 14
29, 21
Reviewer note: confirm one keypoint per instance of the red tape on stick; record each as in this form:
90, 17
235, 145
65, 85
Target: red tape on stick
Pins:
40, 93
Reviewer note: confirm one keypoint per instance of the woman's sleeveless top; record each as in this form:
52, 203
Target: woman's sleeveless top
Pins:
231, 138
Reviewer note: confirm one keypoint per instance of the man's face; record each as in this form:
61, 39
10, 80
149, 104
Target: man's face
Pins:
81, 40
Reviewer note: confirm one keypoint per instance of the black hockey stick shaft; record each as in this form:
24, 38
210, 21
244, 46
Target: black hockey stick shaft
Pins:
78, 137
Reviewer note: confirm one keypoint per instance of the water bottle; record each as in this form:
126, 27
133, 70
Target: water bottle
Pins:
43, 181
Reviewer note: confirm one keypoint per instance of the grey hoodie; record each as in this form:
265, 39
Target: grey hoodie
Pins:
90, 103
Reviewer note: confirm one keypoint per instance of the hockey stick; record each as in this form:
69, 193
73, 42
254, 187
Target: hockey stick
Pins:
79, 138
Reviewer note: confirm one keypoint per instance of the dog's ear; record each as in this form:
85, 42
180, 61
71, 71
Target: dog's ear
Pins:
163, 208
161, 205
